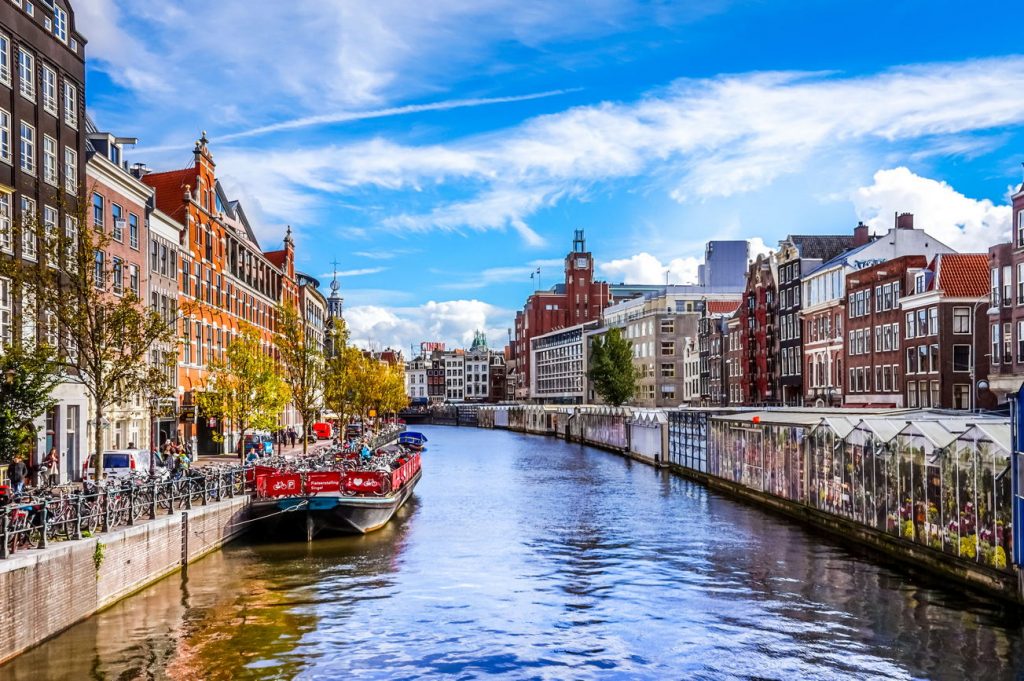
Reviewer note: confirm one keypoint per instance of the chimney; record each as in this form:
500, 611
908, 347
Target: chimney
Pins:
860, 235
905, 221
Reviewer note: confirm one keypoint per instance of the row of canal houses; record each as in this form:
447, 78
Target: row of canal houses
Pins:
176, 239
893, 320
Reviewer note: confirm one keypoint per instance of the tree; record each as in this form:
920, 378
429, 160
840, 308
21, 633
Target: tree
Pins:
28, 375
611, 367
303, 363
341, 369
105, 332
245, 387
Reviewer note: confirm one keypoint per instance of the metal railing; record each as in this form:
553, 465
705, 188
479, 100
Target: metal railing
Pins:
38, 517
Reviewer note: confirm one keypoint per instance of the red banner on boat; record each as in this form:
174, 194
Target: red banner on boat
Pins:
257, 471
280, 485
405, 472
328, 481
364, 482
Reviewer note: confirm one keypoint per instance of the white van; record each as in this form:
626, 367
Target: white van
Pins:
118, 462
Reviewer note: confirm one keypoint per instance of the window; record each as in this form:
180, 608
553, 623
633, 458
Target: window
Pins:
668, 348
961, 396
49, 160
71, 237
1020, 341
70, 104
5, 59
99, 276
117, 212
6, 310
5, 136
27, 74
50, 230
961, 358
1020, 283
961, 320
1007, 342
49, 86
911, 325
668, 370
933, 321
668, 326
1020, 217
60, 23
29, 242
935, 394
28, 148
995, 341
70, 170
6, 236
995, 286
30, 9
133, 231
887, 378
118, 270
1007, 285
97, 212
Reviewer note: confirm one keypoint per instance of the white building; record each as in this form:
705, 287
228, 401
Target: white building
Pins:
558, 365
691, 371
416, 379
454, 376
478, 369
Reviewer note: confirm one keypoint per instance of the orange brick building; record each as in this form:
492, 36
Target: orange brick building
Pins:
225, 281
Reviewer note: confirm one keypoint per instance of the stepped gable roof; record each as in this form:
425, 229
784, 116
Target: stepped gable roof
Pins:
722, 306
821, 246
170, 187
962, 275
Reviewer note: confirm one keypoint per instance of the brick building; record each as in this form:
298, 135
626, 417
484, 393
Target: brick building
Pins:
711, 342
576, 300
797, 255
735, 361
758, 314
824, 299
1006, 304
873, 352
945, 333
42, 177
227, 282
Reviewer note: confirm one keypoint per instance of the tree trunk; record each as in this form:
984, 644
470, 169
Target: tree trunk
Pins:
305, 427
97, 441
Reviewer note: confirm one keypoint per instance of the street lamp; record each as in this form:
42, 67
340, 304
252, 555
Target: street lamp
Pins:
982, 384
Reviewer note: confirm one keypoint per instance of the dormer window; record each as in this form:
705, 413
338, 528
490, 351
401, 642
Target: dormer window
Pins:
920, 282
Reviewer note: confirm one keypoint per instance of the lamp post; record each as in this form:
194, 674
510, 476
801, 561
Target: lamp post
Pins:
979, 385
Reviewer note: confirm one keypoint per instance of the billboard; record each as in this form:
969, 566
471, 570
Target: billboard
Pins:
426, 347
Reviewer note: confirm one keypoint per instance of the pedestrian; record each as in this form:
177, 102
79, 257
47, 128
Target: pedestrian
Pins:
51, 464
16, 473
291, 435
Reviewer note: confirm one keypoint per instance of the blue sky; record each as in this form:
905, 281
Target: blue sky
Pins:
442, 151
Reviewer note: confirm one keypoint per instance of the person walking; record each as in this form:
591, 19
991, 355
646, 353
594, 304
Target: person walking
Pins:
16, 473
291, 435
51, 464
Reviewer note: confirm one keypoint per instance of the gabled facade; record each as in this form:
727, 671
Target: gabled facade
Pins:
758, 314
1006, 305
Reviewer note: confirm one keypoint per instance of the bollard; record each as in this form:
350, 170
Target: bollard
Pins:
78, 516
45, 523
105, 503
152, 502
131, 503
5, 522
187, 484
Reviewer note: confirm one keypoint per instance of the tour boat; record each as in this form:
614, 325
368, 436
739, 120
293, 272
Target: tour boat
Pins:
351, 494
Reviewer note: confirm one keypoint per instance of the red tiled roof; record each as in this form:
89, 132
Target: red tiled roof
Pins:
962, 275
170, 187
722, 306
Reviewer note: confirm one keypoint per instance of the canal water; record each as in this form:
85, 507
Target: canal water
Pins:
525, 557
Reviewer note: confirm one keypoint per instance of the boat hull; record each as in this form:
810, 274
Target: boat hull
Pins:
334, 513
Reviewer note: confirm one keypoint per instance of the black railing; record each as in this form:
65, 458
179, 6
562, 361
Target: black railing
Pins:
36, 518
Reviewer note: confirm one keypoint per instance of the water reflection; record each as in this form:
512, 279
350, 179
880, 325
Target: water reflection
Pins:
532, 558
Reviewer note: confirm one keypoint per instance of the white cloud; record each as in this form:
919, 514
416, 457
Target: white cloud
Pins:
697, 139
501, 275
963, 223
452, 322
354, 273
644, 268
758, 247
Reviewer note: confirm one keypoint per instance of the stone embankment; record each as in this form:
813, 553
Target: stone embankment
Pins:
45, 591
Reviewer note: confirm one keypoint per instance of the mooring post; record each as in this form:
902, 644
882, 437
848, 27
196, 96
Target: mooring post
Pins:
309, 526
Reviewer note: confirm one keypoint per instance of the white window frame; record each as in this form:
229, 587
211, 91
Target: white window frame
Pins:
71, 171
48, 84
27, 148
50, 176
6, 235
6, 311
5, 137
71, 243
29, 234
5, 59
60, 23
27, 74
70, 104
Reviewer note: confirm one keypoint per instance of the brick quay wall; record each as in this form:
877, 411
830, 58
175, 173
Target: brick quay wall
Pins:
43, 592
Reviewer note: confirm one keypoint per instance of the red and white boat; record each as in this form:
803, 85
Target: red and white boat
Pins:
342, 492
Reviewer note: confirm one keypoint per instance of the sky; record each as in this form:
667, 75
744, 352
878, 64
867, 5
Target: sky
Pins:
442, 151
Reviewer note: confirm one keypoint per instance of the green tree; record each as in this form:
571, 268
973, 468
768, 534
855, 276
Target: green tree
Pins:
341, 372
28, 376
84, 298
611, 367
303, 360
245, 388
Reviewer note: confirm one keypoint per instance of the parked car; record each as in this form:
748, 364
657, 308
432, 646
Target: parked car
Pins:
323, 431
118, 462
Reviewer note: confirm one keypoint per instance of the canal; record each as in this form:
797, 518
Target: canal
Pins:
527, 557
